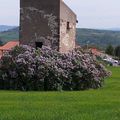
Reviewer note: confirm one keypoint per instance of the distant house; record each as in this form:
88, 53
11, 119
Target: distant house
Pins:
7, 47
98, 52
47, 22
95, 51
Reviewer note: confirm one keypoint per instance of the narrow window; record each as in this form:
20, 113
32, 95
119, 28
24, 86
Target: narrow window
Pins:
39, 44
68, 25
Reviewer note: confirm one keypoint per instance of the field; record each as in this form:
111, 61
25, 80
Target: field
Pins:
101, 104
98, 38
10, 35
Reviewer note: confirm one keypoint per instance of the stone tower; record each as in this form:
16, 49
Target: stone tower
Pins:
47, 22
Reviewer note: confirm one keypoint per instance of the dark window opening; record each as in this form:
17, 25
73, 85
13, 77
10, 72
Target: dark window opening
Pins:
39, 44
68, 25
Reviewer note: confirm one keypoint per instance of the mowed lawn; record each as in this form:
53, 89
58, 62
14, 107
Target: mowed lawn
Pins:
101, 104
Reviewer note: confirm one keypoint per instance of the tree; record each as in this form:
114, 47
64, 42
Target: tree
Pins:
117, 51
1, 42
109, 50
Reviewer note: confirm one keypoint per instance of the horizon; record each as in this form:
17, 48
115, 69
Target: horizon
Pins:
91, 16
111, 29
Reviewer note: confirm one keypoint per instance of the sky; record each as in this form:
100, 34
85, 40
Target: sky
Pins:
90, 13
9, 12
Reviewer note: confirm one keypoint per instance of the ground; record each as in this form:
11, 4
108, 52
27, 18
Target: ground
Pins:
101, 104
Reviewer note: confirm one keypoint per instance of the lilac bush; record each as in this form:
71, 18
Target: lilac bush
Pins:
25, 68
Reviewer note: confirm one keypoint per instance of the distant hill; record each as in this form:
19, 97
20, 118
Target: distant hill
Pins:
6, 28
114, 29
99, 38
12, 34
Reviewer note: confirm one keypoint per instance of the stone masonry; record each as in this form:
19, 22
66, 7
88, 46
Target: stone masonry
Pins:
47, 22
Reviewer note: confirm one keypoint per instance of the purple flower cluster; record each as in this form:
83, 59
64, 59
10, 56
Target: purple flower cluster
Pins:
25, 68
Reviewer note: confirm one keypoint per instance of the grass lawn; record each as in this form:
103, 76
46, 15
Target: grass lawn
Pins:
101, 104
8, 36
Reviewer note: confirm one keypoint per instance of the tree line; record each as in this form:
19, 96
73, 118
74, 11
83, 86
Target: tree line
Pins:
114, 51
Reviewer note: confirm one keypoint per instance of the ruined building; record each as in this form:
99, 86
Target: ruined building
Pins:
47, 22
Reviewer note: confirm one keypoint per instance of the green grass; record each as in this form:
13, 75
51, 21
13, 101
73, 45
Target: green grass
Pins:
12, 34
101, 104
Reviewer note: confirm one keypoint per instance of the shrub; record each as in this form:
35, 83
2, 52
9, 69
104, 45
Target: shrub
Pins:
25, 68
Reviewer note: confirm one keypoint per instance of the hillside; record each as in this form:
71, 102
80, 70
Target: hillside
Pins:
12, 34
100, 38
6, 28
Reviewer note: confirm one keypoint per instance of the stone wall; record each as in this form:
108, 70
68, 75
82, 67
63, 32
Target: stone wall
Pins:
67, 28
39, 22
46, 22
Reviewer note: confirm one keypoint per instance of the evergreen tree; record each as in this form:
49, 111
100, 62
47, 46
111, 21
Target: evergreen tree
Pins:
1, 42
117, 51
109, 50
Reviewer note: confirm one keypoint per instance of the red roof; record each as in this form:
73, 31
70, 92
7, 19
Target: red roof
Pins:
95, 51
9, 45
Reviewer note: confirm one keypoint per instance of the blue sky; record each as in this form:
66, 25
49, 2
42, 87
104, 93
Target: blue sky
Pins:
90, 13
